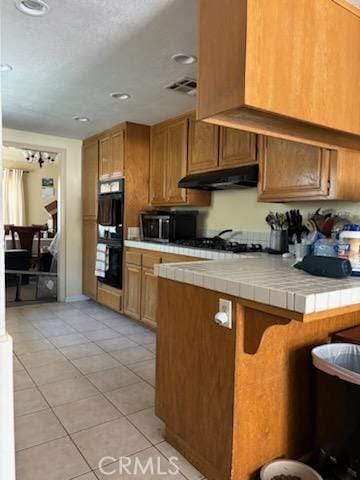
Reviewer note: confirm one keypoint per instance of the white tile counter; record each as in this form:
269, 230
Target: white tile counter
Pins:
266, 279
172, 248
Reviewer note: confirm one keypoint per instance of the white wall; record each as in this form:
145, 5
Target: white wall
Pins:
72, 190
240, 210
34, 202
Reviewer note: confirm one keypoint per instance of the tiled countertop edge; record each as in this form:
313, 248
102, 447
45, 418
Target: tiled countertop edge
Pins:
288, 300
190, 252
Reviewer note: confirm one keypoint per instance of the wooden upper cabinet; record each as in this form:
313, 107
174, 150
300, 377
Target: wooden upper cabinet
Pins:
169, 164
203, 146
273, 80
158, 161
176, 162
90, 176
292, 170
236, 148
118, 153
105, 159
112, 154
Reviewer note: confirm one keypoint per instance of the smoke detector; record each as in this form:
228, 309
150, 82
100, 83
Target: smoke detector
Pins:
184, 85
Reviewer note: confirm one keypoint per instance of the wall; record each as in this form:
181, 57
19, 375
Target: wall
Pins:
35, 212
34, 202
240, 210
72, 192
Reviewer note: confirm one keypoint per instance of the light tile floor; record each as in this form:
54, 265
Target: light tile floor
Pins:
84, 390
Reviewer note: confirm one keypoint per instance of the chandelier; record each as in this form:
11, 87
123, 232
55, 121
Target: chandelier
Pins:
33, 156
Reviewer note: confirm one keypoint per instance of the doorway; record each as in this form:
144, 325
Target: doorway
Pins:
33, 224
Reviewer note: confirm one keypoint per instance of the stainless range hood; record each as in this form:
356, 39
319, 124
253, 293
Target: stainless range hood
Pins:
235, 178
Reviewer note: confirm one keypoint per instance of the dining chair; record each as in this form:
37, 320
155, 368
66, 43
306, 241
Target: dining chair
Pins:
26, 239
7, 228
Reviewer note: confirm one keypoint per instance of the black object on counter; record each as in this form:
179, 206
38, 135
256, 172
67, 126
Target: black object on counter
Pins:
331, 267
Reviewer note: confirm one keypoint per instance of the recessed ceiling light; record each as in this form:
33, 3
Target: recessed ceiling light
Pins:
5, 67
120, 96
36, 8
184, 59
81, 119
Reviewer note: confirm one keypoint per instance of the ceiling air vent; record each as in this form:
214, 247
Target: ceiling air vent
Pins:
184, 85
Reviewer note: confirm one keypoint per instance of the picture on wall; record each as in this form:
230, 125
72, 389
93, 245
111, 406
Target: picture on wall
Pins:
47, 187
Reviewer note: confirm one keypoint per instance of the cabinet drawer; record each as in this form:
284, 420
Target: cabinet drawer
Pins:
174, 258
110, 297
150, 259
134, 258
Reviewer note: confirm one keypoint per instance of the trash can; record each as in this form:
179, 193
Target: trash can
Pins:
337, 428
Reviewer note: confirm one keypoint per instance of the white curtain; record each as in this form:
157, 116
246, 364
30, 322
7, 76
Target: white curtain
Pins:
13, 197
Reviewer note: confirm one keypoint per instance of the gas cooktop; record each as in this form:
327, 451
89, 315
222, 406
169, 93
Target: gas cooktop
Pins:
221, 245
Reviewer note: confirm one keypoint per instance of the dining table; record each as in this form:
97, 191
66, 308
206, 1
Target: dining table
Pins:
44, 244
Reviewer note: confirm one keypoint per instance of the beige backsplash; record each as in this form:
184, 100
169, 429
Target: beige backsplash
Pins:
240, 210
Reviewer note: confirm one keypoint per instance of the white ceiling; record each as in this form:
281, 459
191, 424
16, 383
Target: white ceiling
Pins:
67, 62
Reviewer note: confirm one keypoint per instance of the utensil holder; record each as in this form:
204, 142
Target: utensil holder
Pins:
279, 241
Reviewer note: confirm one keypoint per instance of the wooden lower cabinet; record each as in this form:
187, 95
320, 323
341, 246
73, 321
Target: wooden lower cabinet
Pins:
141, 284
235, 399
149, 287
132, 299
109, 296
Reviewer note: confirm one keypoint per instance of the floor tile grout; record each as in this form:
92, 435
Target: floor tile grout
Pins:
99, 392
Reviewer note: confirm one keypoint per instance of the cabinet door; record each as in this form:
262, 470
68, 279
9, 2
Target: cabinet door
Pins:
176, 162
105, 159
90, 178
159, 142
89, 257
117, 153
292, 171
236, 148
195, 386
149, 288
203, 146
132, 298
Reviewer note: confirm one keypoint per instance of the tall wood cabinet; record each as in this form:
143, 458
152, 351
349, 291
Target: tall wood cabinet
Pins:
89, 214
112, 153
122, 151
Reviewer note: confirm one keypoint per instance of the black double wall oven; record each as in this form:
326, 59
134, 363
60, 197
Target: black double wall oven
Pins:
110, 228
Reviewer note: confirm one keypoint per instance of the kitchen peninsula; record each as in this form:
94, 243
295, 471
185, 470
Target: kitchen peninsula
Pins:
234, 398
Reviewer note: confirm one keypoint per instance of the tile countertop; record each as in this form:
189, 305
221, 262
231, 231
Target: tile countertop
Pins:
266, 279
172, 248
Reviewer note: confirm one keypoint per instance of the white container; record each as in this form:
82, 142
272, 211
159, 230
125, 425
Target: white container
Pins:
288, 467
353, 239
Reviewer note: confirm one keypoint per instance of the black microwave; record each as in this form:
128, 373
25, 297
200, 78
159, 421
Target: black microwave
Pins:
166, 227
